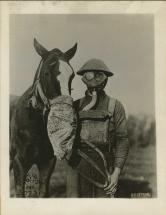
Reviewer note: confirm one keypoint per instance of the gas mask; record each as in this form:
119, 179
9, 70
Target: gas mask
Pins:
94, 81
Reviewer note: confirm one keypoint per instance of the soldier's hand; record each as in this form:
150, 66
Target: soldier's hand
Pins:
111, 187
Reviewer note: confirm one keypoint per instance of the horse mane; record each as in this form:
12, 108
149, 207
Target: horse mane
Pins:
57, 52
37, 72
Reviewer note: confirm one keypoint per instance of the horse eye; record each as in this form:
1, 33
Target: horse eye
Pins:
46, 73
53, 63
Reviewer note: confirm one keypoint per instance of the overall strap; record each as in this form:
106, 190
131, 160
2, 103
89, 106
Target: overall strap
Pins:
81, 102
111, 105
111, 108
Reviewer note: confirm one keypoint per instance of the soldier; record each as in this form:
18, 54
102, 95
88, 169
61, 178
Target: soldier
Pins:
101, 121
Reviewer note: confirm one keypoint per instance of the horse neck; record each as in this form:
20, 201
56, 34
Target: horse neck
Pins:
23, 101
27, 95
25, 107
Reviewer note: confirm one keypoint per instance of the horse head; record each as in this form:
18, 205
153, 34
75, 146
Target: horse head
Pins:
51, 93
54, 74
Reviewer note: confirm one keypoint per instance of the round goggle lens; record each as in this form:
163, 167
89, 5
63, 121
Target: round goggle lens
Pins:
99, 76
89, 75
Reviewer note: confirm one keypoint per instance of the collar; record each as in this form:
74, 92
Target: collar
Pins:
99, 93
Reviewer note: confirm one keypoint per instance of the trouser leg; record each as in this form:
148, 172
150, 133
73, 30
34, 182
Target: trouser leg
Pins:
72, 190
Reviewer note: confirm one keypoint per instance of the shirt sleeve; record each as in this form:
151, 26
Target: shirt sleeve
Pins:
121, 135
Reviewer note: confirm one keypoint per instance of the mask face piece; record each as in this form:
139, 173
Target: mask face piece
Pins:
93, 79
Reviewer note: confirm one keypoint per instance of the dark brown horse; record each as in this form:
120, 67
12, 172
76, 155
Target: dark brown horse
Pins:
29, 142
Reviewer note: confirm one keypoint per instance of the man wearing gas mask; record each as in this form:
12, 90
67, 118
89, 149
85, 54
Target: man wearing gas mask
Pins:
101, 122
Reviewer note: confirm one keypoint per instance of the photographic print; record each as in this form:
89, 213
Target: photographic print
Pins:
118, 50
82, 107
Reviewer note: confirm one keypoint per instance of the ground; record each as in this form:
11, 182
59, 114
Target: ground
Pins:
138, 179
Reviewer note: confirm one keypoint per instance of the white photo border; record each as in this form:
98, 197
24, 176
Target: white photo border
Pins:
11, 206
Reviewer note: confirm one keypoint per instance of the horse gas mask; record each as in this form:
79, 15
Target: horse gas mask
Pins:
94, 80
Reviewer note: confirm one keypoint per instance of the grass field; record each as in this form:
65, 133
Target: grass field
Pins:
138, 179
139, 174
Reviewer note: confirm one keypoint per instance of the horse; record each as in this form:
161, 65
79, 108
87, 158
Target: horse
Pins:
29, 142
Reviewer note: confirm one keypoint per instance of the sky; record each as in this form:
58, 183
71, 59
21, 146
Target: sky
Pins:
124, 42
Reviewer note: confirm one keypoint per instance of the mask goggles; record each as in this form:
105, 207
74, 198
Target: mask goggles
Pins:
94, 79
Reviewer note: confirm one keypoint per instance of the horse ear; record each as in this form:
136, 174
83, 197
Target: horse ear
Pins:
40, 49
71, 52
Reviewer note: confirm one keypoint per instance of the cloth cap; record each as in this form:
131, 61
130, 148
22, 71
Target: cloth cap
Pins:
95, 65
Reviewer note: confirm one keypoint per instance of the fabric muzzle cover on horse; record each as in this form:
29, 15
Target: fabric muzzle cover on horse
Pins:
61, 126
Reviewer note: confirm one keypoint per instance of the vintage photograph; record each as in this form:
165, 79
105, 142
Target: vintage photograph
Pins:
82, 106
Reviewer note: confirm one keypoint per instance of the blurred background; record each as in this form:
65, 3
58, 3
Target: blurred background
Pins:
126, 44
